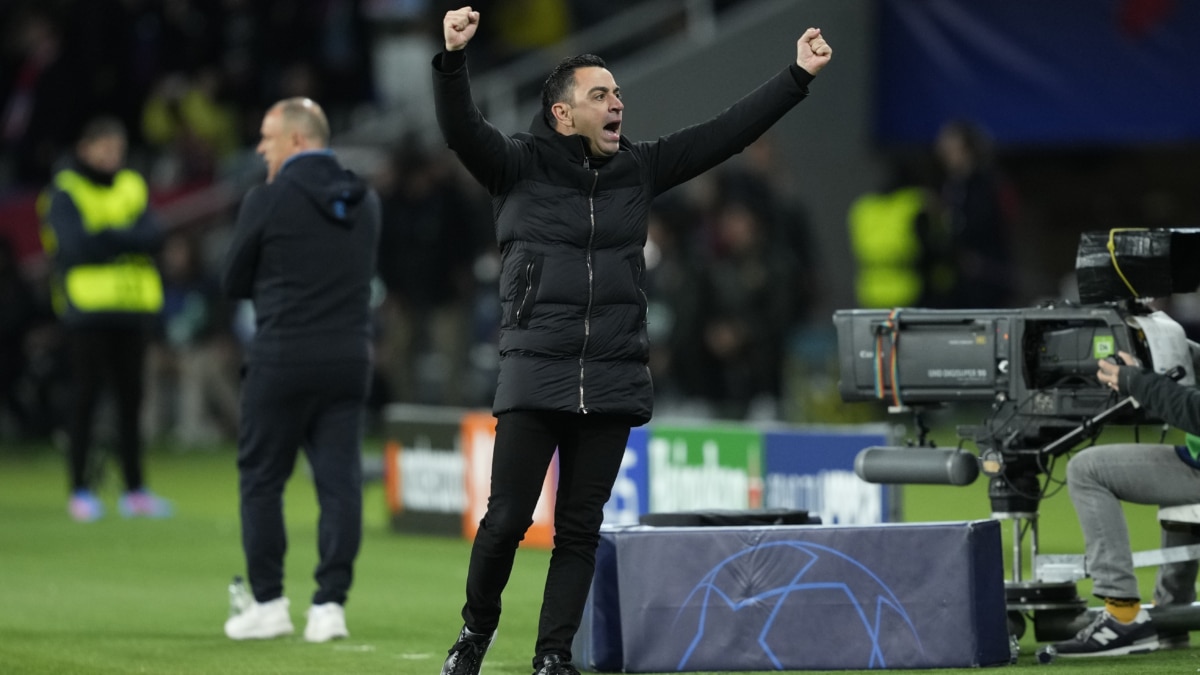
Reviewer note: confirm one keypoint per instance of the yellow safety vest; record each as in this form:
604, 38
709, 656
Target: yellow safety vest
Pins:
884, 240
130, 283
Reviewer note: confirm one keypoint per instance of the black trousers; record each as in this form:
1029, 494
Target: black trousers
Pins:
320, 408
590, 449
100, 356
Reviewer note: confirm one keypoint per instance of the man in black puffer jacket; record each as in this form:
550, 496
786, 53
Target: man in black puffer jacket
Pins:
571, 200
304, 251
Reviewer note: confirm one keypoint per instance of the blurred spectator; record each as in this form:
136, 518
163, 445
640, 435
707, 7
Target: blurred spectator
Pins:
44, 390
430, 239
900, 246
757, 177
344, 53
749, 303
239, 26
674, 314
18, 309
39, 96
191, 128
524, 25
190, 386
978, 207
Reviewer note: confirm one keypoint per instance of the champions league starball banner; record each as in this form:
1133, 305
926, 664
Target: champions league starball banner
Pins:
676, 599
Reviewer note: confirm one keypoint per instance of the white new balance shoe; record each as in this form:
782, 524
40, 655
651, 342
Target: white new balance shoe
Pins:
326, 622
261, 621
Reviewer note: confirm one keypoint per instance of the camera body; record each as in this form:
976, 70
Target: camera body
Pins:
1041, 361
1036, 367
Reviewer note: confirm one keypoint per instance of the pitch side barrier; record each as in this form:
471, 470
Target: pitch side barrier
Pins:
794, 562
437, 461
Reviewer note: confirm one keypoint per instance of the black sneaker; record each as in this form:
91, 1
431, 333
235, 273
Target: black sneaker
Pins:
466, 656
552, 664
1106, 636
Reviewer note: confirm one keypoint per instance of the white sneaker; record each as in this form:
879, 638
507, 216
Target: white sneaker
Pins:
326, 622
261, 621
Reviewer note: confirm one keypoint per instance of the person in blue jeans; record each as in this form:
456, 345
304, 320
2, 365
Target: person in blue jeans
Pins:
1099, 479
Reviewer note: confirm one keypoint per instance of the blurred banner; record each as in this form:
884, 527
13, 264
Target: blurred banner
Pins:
1037, 72
438, 463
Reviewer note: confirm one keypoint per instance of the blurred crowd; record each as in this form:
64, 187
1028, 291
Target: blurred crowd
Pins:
191, 78
734, 282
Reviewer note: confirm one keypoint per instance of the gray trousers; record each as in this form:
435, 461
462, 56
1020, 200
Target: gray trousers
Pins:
1099, 479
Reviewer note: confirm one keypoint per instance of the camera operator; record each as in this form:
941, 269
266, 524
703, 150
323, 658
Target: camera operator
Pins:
1100, 478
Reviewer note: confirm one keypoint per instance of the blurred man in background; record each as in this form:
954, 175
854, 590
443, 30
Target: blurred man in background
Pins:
304, 252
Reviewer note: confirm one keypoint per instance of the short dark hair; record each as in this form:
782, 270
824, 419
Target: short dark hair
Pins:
562, 80
102, 127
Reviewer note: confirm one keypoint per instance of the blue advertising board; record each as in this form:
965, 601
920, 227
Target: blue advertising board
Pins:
813, 470
631, 491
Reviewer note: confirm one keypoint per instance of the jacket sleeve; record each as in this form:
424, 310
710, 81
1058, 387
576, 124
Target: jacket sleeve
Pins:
241, 261
73, 244
145, 236
689, 152
492, 157
1177, 405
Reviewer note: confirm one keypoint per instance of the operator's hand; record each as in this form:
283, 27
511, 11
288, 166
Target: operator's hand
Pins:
812, 51
459, 27
1109, 373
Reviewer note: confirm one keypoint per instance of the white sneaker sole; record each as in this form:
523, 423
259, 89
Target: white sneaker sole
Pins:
260, 632
325, 636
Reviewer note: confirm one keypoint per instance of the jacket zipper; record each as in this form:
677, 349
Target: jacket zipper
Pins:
587, 317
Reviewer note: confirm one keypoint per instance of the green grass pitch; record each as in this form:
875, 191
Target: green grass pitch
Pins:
139, 596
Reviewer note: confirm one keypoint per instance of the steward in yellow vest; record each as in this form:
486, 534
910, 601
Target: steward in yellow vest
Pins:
100, 237
899, 254
99, 234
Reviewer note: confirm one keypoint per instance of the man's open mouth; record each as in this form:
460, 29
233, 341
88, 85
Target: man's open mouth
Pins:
612, 130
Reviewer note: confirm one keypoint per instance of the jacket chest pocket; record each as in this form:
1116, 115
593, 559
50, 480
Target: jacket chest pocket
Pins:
638, 272
521, 307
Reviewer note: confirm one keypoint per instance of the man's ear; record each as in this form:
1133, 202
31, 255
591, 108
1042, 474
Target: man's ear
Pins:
562, 114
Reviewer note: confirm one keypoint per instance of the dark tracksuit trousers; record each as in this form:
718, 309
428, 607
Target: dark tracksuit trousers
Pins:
100, 355
317, 407
590, 451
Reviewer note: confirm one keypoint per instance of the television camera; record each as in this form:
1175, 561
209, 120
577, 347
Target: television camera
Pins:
1036, 367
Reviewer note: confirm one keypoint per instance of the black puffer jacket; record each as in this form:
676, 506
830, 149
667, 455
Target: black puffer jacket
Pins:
571, 232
